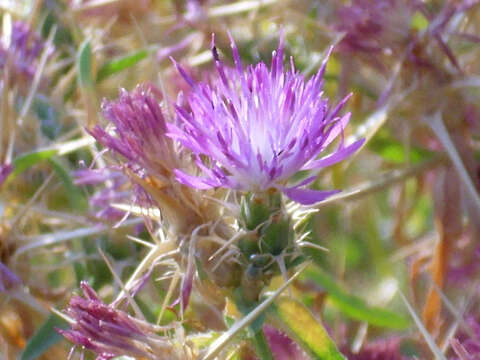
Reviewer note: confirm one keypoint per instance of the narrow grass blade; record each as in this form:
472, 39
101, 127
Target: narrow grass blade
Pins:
84, 64
428, 338
438, 127
35, 242
75, 196
353, 306
120, 64
226, 337
25, 161
44, 338
382, 182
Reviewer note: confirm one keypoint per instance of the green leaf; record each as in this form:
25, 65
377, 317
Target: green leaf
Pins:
74, 194
428, 338
353, 306
44, 338
84, 64
246, 307
48, 117
261, 346
62, 35
25, 161
393, 151
80, 272
297, 321
146, 309
120, 64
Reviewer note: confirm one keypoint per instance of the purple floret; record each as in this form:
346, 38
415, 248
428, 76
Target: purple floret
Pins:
252, 129
374, 26
24, 49
384, 349
139, 134
8, 279
112, 190
108, 331
5, 170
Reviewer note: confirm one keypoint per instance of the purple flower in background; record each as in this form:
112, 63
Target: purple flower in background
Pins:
283, 347
5, 170
148, 156
110, 332
8, 279
385, 349
252, 129
467, 346
23, 48
113, 191
375, 26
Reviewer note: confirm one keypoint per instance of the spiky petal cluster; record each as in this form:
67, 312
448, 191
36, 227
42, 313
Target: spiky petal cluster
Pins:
375, 26
149, 156
259, 126
139, 133
23, 48
110, 332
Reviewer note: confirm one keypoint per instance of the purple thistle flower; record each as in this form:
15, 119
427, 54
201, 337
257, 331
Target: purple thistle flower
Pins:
110, 332
258, 127
24, 49
148, 155
385, 349
139, 134
8, 279
375, 26
467, 347
5, 170
113, 191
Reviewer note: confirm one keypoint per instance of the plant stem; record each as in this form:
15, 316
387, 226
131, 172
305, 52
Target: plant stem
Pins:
261, 346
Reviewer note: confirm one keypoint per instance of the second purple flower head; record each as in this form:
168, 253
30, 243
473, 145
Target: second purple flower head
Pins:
252, 129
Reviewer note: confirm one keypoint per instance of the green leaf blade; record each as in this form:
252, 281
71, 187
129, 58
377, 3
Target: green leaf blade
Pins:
25, 161
353, 306
84, 65
120, 64
75, 196
297, 321
44, 338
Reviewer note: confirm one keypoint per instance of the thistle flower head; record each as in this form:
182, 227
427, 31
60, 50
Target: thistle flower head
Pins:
23, 46
110, 332
149, 156
374, 26
139, 134
253, 128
